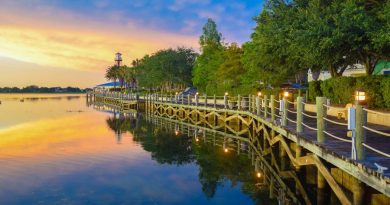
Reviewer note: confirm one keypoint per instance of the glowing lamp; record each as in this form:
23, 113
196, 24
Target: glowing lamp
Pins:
197, 139
259, 94
177, 93
226, 150
360, 97
258, 174
286, 94
176, 132
226, 93
197, 93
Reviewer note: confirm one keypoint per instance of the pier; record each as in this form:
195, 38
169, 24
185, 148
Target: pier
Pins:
311, 136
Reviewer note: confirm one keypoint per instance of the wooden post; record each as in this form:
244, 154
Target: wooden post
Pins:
215, 101
196, 100
320, 119
249, 103
239, 102
272, 108
299, 114
266, 106
361, 120
205, 100
189, 99
285, 106
225, 101
253, 103
258, 105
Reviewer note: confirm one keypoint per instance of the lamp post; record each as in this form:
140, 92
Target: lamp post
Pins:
360, 97
361, 120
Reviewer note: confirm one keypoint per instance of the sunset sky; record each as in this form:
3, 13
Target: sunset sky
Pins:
71, 42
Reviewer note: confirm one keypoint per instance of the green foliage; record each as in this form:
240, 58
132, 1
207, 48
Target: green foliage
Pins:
166, 69
314, 90
374, 92
210, 34
340, 90
385, 88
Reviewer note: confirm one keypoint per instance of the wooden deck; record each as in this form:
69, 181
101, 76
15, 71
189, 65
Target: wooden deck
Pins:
264, 124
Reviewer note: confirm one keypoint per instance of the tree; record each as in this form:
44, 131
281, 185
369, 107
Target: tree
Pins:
112, 73
169, 69
210, 34
231, 69
208, 62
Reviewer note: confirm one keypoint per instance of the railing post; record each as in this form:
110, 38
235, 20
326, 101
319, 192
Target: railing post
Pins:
299, 114
196, 100
189, 99
249, 103
253, 103
273, 108
266, 106
215, 101
225, 101
284, 107
182, 99
361, 120
205, 100
176, 98
320, 119
239, 102
258, 105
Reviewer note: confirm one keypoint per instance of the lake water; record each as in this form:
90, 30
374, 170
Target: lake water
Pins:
54, 149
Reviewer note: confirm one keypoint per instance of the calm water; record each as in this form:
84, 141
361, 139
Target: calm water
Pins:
56, 150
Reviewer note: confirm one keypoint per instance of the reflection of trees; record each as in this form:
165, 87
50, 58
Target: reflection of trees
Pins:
164, 146
215, 166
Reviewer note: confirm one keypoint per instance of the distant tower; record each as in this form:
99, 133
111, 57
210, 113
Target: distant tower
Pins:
118, 59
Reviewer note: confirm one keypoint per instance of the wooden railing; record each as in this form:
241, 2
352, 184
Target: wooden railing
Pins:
289, 113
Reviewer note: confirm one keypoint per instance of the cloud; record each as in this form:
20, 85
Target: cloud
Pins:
88, 45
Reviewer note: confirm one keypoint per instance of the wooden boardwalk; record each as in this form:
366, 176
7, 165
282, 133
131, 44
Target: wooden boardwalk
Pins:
260, 120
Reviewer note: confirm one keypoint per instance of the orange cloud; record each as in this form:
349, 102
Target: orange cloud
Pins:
61, 39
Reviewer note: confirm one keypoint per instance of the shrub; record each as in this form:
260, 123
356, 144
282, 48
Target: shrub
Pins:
314, 90
340, 90
372, 86
385, 88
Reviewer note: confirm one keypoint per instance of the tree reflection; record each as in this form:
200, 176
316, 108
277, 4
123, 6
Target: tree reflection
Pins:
164, 146
216, 167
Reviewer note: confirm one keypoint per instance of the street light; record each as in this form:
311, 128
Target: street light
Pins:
286, 94
226, 93
259, 94
360, 97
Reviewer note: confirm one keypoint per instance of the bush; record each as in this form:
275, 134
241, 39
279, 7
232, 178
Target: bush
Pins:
385, 87
374, 92
340, 90
314, 90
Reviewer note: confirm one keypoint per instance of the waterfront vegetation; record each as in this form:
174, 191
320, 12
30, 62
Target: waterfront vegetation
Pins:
36, 89
339, 90
290, 38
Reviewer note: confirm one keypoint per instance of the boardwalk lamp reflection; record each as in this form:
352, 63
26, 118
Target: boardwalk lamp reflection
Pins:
360, 97
225, 146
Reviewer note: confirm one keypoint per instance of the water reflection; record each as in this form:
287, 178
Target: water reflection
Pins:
220, 158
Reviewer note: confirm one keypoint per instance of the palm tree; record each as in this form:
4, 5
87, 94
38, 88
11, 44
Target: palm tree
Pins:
112, 73
122, 75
